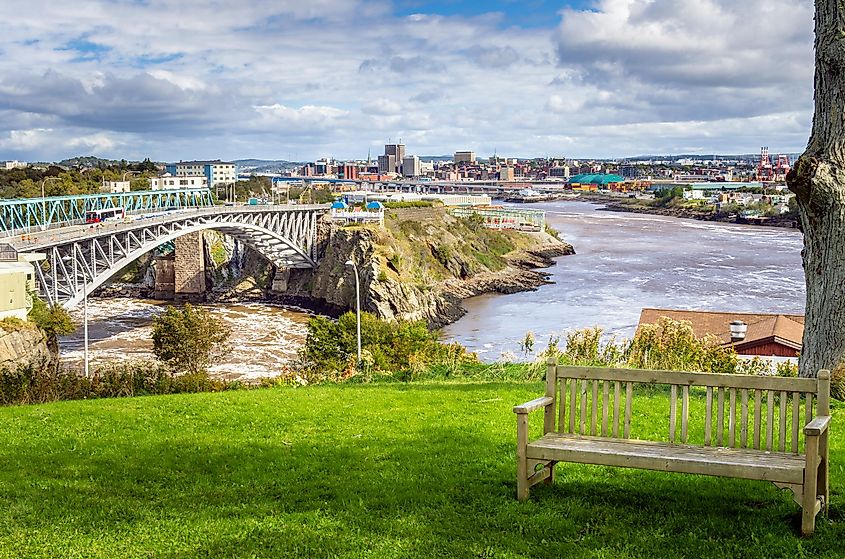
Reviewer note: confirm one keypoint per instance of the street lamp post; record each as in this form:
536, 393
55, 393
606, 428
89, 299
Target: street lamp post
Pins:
44, 201
357, 306
85, 324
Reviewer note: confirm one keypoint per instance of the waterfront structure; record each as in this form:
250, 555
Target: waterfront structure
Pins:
169, 182
465, 157
764, 335
218, 173
506, 218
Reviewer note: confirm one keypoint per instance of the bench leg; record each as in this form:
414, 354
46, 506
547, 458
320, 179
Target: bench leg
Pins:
551, 479
823, 488
522, 473
810, 492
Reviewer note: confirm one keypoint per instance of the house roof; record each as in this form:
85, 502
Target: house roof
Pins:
786, 329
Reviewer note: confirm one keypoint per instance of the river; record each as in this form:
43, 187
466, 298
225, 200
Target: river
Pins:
623, 263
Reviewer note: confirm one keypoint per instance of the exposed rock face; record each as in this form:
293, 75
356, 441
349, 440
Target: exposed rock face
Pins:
22, 346
390, 296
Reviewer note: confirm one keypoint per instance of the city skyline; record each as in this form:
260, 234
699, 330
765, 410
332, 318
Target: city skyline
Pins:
278, 80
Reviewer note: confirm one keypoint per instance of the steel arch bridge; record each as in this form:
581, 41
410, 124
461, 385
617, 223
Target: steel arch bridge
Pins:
82, 258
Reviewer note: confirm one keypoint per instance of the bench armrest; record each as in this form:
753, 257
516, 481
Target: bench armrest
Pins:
817, 426
534, 405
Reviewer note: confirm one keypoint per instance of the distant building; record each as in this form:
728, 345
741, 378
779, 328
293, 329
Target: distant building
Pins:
116, 187
217, 172
391, 161
464, 157
17, 281
169, 182
777, 335
411, 166
506, 174
14, 165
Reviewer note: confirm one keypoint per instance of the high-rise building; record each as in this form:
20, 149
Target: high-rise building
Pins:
391, 161
464, 157
411, 166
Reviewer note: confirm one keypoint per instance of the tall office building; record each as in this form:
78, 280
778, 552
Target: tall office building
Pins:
411, 166
464, 157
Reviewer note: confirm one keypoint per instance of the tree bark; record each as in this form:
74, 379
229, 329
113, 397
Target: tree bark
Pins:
818, 180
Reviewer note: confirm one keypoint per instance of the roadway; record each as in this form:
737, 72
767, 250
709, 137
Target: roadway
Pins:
30, 242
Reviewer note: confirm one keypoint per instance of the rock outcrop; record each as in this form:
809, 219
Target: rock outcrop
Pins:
423, 268
21, 344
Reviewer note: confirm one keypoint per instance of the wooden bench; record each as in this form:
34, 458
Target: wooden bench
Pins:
755, 432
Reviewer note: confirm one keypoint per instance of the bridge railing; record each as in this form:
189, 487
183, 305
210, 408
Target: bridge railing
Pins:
25, 215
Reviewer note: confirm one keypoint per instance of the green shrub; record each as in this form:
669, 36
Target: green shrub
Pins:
401, 349
189, 339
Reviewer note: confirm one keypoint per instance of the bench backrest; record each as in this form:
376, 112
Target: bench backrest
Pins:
761, 412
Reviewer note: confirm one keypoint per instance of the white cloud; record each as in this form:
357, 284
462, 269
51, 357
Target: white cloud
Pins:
278, 78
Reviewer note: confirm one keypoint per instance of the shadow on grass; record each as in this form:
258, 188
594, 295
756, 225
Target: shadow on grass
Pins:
438, 491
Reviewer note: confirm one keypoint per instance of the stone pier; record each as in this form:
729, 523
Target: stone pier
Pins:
189, 268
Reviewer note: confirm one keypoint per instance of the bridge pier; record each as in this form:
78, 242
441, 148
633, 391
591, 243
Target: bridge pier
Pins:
280, 280
189, 268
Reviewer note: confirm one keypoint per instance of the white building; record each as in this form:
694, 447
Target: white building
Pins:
217, 172
14, 165
169, 182
116, 187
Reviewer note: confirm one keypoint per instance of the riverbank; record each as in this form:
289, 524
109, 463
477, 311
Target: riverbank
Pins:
635, 205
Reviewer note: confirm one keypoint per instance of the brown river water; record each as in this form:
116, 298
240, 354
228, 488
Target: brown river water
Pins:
623, 263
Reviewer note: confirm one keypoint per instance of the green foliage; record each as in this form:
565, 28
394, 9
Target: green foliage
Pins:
405, 205
53, 320
189, 339
672, 345
401, 349
382, 276
12, 324
553, 232
39, 383
664, 196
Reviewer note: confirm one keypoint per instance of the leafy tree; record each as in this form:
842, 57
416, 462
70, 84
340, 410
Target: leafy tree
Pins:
189, 339
53, 320
818, 181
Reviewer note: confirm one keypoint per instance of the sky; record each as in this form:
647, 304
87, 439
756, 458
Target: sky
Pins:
297, 80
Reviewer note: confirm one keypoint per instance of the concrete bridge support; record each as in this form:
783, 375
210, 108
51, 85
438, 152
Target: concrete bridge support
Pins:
189, 268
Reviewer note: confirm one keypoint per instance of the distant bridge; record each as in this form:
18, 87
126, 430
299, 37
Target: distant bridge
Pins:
24, 215
83, 257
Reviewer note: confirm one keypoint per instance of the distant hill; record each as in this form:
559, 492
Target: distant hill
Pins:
265, 165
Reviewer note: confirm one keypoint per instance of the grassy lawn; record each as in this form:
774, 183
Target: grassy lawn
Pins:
361, 471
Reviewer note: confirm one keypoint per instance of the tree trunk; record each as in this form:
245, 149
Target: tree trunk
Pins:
818, 180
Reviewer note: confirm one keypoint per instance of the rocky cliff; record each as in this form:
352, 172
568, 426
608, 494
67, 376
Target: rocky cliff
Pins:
422, 264
21, 344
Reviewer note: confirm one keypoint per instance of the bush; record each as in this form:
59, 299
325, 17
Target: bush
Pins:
39, 383
400, 350
190, 339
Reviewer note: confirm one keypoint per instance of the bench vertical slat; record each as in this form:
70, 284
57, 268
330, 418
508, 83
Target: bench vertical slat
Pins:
583, 407
684, 414
758, 403
617, 393
673, 410
732, 420
770, 418
629, 396
595, 408
551, 385
605, 402
743, 421
796, 420
573, 404
708, 416
808, 417
784, 396
720, 417
561, 421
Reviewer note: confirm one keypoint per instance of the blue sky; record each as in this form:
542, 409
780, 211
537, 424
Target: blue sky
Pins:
286, 79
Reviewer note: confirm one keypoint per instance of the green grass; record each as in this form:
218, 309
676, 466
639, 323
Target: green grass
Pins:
424, 470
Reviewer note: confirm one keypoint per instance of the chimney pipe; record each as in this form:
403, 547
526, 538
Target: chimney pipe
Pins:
738, 330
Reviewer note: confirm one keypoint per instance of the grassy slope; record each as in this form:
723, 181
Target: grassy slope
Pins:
359, 471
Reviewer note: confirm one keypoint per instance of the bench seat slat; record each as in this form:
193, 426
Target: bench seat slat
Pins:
718, 461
